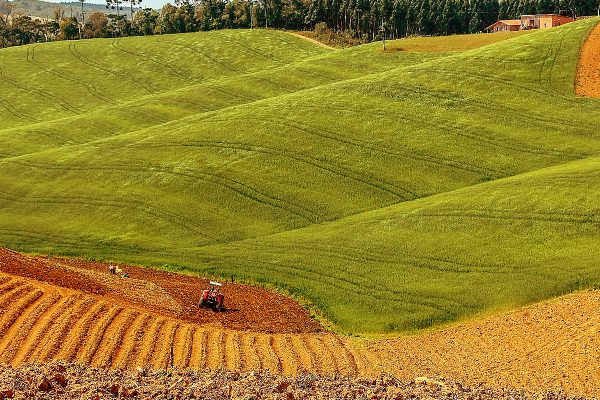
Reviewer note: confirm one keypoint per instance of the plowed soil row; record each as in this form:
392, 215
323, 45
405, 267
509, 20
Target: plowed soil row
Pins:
42, 323
553, 345
588, 72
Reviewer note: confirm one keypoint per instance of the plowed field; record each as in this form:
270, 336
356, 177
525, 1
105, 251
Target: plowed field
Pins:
164, 293
588, 73
550, 346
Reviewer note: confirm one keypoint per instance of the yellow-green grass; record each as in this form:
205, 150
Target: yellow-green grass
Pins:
448, 44
417, 264
282, 173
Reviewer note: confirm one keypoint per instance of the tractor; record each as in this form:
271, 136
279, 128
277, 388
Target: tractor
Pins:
212, 297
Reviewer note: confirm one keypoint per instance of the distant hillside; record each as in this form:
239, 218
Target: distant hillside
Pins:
44, 9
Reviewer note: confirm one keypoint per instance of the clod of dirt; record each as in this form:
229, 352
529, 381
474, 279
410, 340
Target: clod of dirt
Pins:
114, 389
44, 385
7, 394
60, 379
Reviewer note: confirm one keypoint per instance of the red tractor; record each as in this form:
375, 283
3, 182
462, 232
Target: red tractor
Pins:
212, 297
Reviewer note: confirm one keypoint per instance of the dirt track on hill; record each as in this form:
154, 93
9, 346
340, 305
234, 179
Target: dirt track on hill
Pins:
588, 72
553, 345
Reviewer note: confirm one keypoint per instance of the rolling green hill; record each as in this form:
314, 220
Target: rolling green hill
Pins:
395, 191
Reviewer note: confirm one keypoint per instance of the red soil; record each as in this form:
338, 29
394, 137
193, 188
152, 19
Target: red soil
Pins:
168, 294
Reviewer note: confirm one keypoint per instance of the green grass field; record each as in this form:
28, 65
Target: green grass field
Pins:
395, 191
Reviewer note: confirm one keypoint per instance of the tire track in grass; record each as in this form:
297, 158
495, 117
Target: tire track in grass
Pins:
123, 75
88, 352
40, 93
499, 108
128, 357
197, 51
17, 339
13, 111
112, 342
553, 90
142, 56
177, 220
80, 332
39, 328
91, 88
59, 331
370, 147
462, 131
504, 215
360, 289
546, 57
235, 186
336, 169
360, 256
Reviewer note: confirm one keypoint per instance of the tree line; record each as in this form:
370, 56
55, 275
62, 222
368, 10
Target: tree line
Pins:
364, 19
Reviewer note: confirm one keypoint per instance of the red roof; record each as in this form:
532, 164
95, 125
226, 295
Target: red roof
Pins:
510, 21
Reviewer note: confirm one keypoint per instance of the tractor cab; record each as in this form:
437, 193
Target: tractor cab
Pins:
212, 297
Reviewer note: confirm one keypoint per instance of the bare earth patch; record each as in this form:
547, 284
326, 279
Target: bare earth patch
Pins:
588, 73
550, 345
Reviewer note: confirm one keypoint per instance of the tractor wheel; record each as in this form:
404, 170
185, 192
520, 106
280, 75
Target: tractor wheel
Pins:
201, 303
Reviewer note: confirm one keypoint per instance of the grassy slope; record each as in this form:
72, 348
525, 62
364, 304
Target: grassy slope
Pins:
449, 43
53, 107
363, 130
434, 260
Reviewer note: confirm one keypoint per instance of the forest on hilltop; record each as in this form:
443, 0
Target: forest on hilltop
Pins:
365, 20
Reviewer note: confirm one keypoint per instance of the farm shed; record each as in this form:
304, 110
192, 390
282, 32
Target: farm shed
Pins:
505, 25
